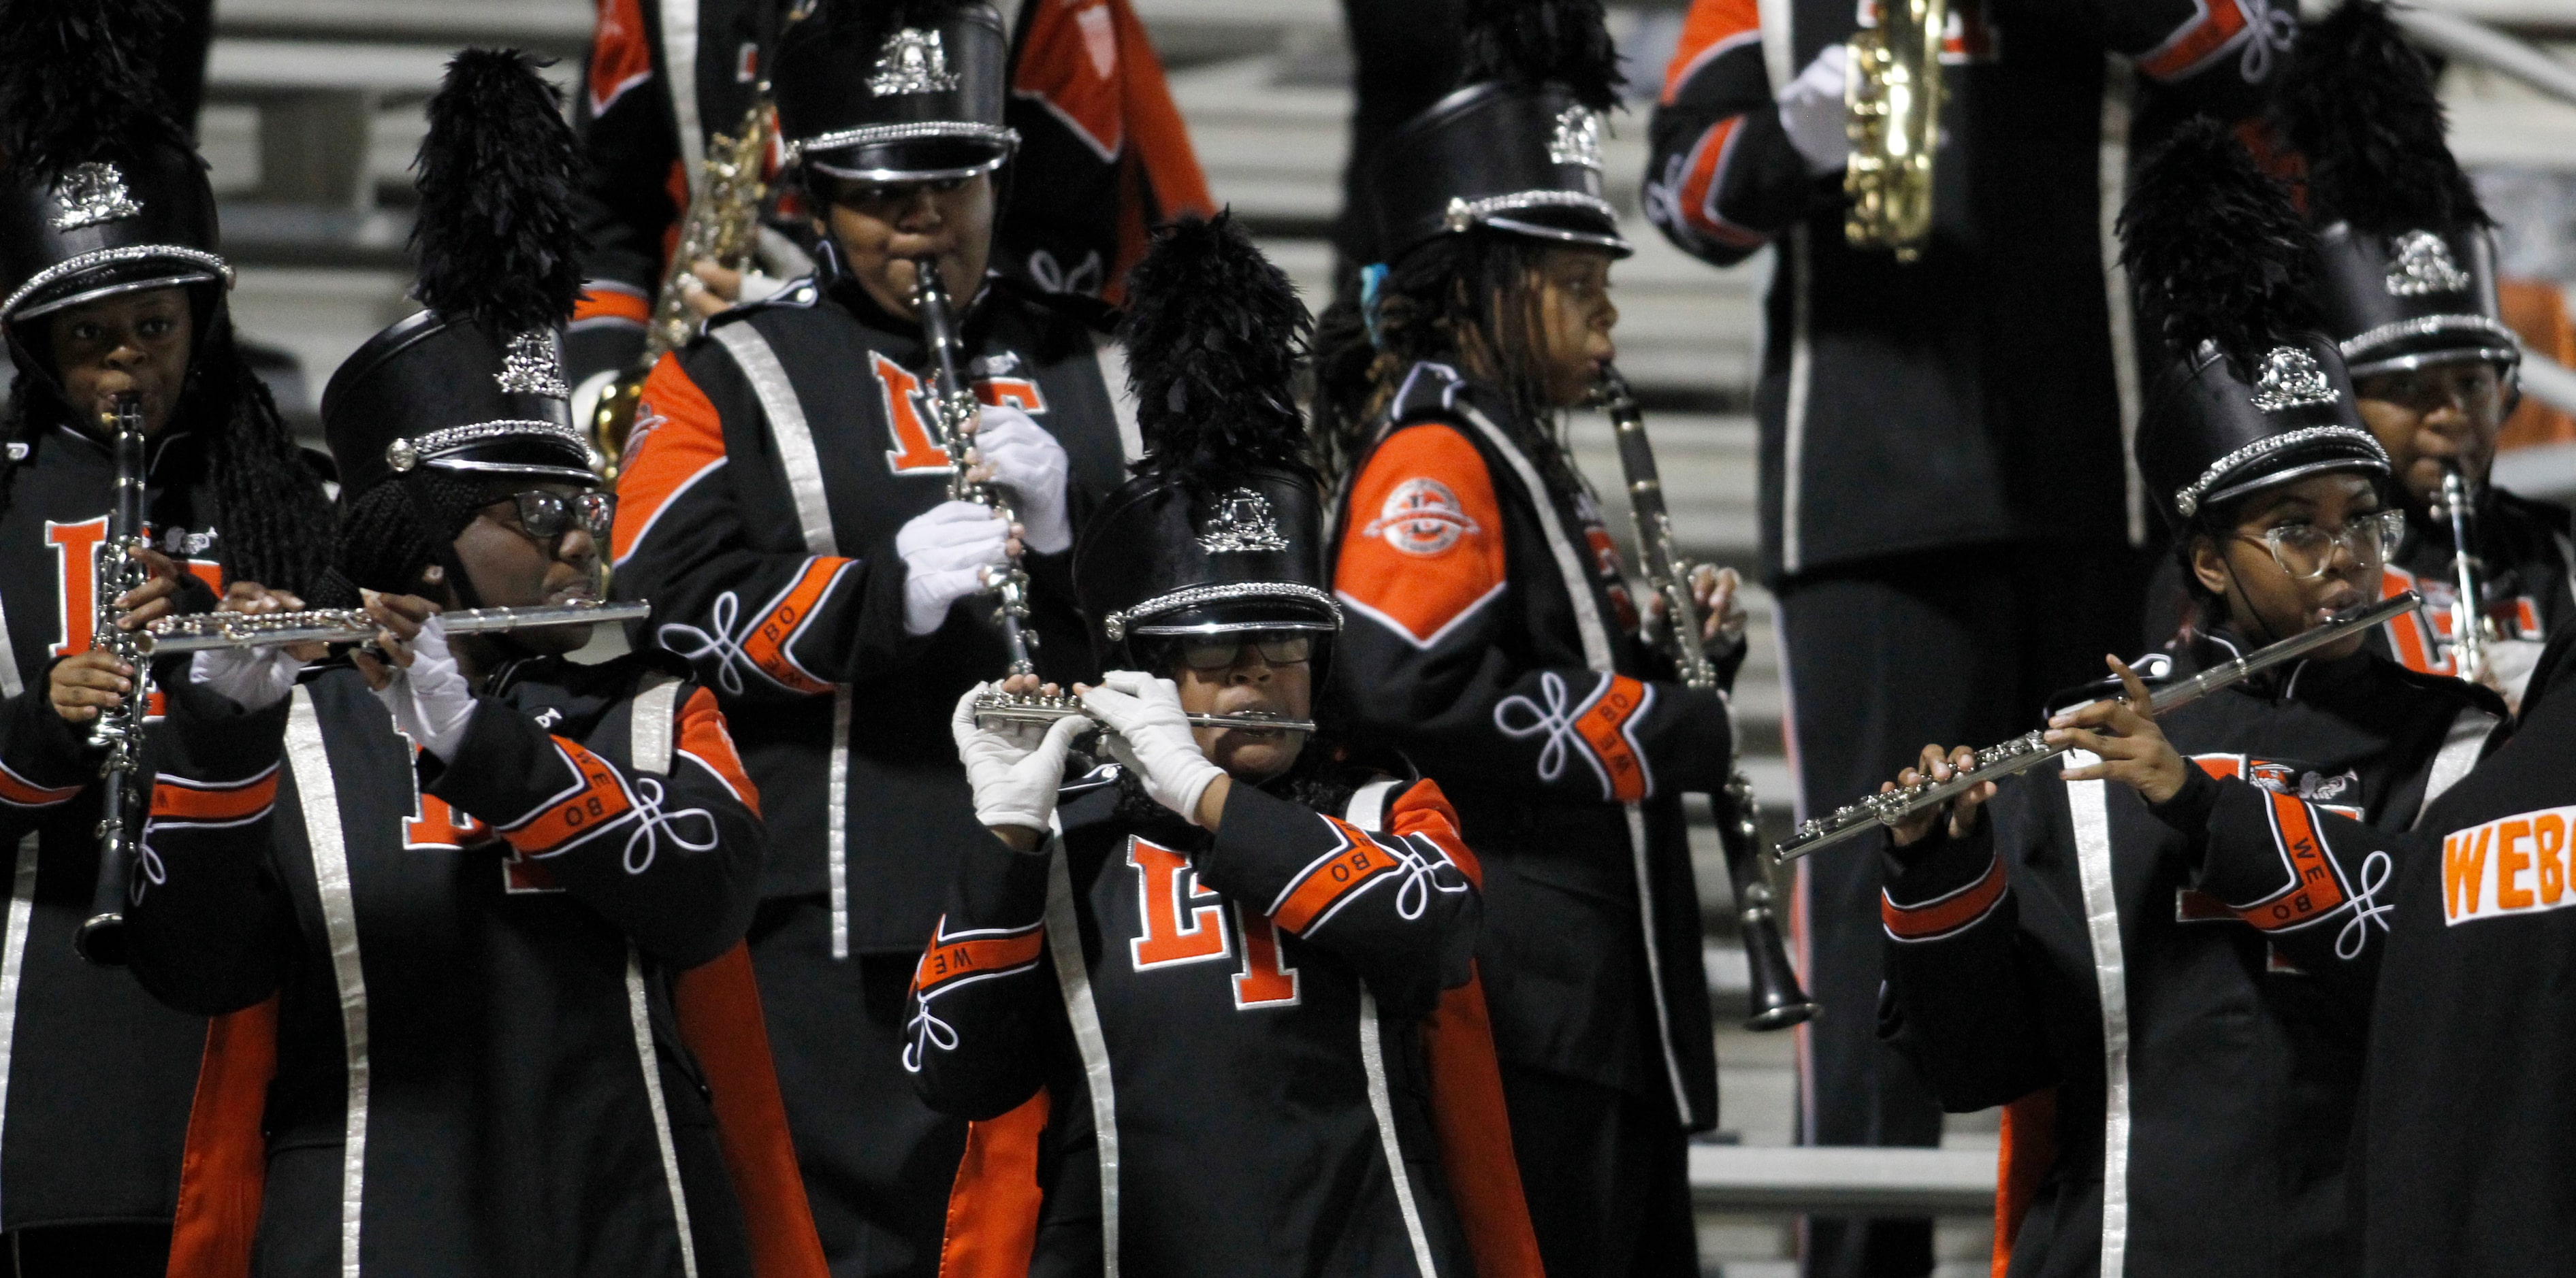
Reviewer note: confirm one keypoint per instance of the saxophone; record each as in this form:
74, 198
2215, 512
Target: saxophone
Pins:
1892, 114
722, 225
119, 731
1778, 1001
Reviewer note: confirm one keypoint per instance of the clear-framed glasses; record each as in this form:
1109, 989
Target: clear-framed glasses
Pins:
2307, 551
1279, 648
545, 515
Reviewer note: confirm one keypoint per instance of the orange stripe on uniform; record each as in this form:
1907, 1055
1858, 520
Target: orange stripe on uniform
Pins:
1944, 915
1604, 726
1423, 545
1474, 1132
2022, 1159
600, 800
1713, 27
993, 1204
2210, 30
1697, 198
703, 737
601, 300
949, 961
717, 1006
19, 792
766, 645
223, 1169
678, 437
1331, 879
1424, 810
180, 799
2314, 890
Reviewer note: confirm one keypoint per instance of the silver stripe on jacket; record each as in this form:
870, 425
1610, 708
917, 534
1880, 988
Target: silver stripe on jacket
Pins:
2088, 804
1367, 810
13, 961
319, 797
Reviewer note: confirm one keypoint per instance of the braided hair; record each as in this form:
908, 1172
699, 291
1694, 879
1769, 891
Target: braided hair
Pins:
269, 500
396, 529
1479, 285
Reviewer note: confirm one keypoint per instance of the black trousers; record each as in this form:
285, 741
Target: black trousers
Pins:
88, 1251
1607, 1176
1959, 647
878, 1164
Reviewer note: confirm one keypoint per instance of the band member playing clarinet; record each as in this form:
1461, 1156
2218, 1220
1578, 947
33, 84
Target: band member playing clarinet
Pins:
452, 889
1278, 1061
786, 507
1492, 636
2406, 277
2181, 1089
112, 293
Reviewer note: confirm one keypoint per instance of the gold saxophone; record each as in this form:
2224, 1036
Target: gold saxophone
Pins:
723, 226
1892, 114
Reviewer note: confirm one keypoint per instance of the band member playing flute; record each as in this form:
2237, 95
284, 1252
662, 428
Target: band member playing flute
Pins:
2181, 1091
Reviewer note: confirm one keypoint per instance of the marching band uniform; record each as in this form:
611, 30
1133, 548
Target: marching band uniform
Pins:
2181, 1095
1994, 376
783, 508
2453, 934
106, 199
1253, 1051
472, 1036
1493, 639
2406, 278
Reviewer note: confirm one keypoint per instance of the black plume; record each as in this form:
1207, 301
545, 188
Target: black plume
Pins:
2214, 247
1214, 336
1533, 42
2358, 104
79, 79
497, 240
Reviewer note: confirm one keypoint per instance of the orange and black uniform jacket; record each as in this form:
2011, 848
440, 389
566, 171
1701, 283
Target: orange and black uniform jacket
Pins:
2238, 1064
1476, 587
465, 1033
2456, 938
1255, 1052
2527, 563
1984, 373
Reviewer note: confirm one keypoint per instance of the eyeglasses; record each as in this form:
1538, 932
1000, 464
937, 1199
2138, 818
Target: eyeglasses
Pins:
2307, 552
1279, 649
545, 515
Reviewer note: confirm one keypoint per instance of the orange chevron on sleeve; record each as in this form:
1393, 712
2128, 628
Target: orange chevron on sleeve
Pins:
1331, 879
596, 800
1943, 915
2315, 890
2213, 26
1713, 27
766, 646
678, 439
1422, 544
703, 737
981, 952
606, 300
1423, 809
19, 792
176, 798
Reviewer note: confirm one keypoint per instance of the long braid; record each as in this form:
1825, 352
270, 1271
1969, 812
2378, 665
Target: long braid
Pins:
276, 519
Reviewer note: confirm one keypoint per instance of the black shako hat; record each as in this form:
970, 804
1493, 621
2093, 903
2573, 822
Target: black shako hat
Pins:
100, 192
2405, 262
907, 91
474, 384
1517, 149
1221, 529
2250, 395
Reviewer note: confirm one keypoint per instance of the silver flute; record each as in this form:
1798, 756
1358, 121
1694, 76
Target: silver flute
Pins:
1002, 707
2031, 749
199, 632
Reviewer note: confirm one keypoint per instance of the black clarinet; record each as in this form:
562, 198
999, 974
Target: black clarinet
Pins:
119, 731
952, 410
1778, 1000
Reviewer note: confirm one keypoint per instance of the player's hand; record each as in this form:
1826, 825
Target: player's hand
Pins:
711, 289
1153, 738
2133, 749
1015, 769
1811, 112
86, 683
948, 552
1938, 765
1722, 616
156, 598
1015, 452
423, 687
254, 678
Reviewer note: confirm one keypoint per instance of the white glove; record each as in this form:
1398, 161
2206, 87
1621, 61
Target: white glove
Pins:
756, 287
945, 551
1153, 738
1811, 111
1029, 462
1016, 769
254, 678
430, 700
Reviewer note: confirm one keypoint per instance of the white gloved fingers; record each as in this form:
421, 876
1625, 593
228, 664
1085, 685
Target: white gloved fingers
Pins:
1812, 113
1153, 738
431, 701
1016, 786
252, 678
961, 721
756, 287
927, 597
949, 523
1032, 464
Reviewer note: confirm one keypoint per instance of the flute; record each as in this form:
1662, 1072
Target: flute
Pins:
198, 632
2028, 751
1002, 707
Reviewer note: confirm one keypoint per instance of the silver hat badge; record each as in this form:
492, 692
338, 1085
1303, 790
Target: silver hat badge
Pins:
2419, 263
1242, 522
912, 61
2290, 378
89, 194
1577, 139
530, 367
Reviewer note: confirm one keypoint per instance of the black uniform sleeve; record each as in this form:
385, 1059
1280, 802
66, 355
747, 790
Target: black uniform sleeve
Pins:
210, 921
674, 860
627, 200
1433, 657
759, 625
45, 762
2308, 879
983, 1013
1399, 905
1721, 177
1958, 1002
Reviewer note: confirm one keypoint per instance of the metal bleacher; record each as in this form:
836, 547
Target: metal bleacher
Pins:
314, 114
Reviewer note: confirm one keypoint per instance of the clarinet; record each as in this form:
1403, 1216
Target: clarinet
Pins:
952, 410
2031, 749
1778, 1001
119, 730
2468, 605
